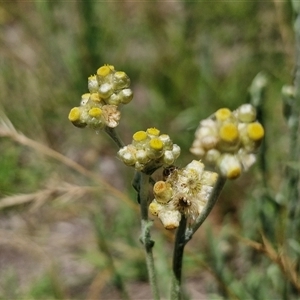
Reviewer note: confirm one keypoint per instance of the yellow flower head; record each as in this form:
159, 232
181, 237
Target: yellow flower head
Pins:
156, 144
95, 97
153, 131
95, 112
229, 132
74, 114
120, 74
255, 131
105, 70
140, 136
229, 139
222, 114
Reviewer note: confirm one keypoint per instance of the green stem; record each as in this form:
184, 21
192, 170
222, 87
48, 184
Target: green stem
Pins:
208, 208
145, 234
176, 288
114, 136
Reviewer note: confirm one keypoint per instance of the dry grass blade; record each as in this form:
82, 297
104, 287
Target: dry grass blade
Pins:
8, 130
279, 258
65, 190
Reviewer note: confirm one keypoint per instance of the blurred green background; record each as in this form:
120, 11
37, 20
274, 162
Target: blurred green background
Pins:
185, 60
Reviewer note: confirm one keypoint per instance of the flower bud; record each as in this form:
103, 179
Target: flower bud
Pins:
168, 144
129, 158
125, 96
229, 166
93, 85
222, 114
154, 208
140, 139
120, 80
105, 90
114, 99
162, 192
141, 156
212, 156
85, 98
229, 138
127, 155
75, 117
229, 133
155, 148
209, 142
95, 97
255, 131
246, 113
168, 157
176, 151
197, 148
105, 70
74, 114
140, 136
153, 132
95, 112
170, 218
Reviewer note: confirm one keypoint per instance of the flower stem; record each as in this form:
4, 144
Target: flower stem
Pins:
208, 208
114, 136
145, 234
176, 288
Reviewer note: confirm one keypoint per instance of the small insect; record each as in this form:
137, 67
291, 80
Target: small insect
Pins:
168, 171
184, 202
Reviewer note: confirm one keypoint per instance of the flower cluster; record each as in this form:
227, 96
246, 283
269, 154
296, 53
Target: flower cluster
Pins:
229, 139
183, 192
149, 150
99, 108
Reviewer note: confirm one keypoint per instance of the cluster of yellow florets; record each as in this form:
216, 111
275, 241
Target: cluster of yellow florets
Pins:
183, 192
149, 150
99, 108
229, 139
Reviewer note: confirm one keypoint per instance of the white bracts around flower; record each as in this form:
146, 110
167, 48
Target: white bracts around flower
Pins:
228, 140
184, 192
149, 151
99, 108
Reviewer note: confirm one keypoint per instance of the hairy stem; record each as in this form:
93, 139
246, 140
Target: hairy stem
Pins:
145, 234
176, 288
114, 136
